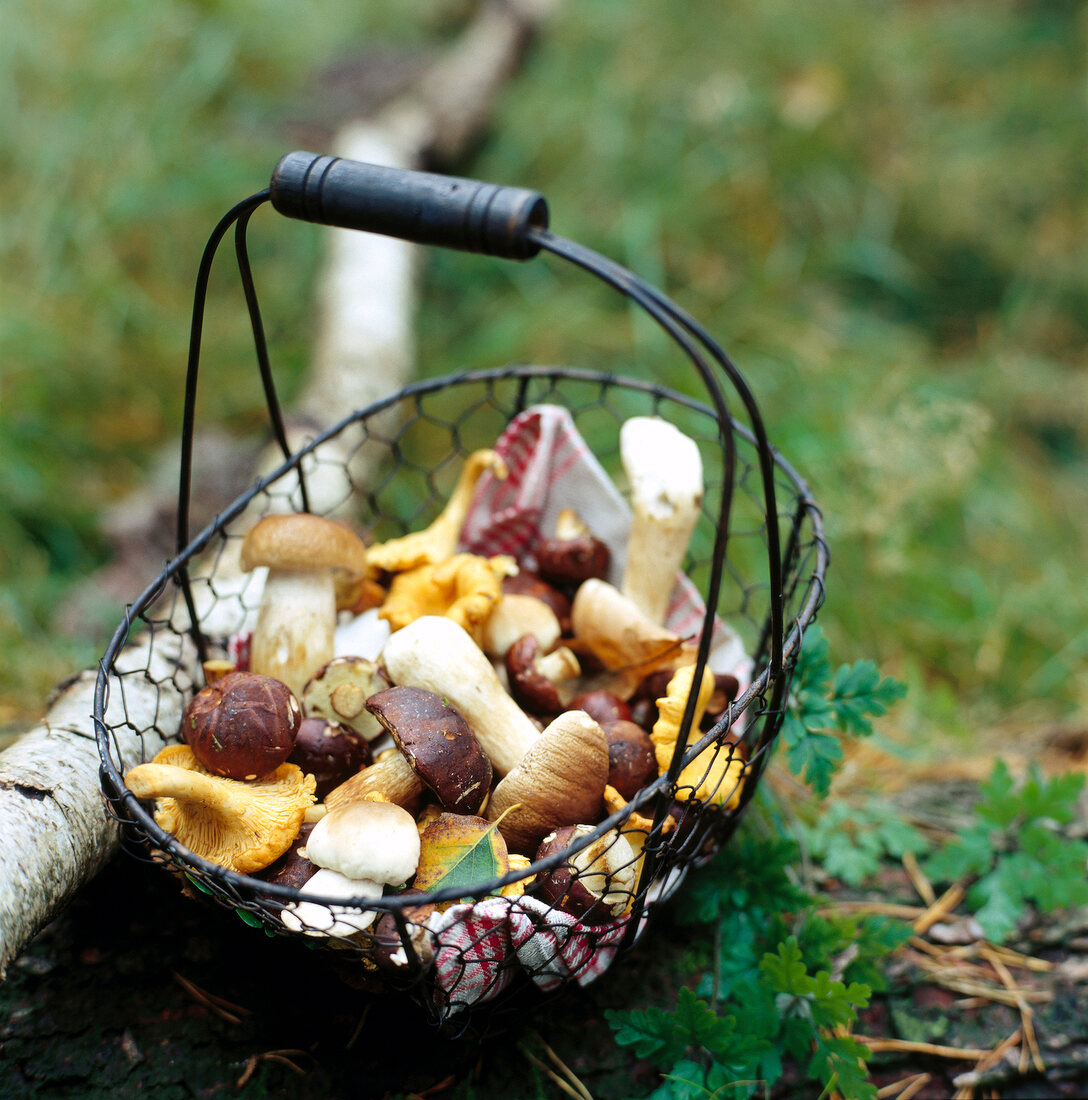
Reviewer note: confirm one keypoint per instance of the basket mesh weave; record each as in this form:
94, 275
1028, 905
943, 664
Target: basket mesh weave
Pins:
390, 468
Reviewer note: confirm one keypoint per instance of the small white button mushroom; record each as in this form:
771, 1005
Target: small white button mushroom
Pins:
360, 848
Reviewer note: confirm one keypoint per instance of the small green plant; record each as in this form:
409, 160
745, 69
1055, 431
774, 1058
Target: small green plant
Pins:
784, 980
824, 705
851, 841
1013, 852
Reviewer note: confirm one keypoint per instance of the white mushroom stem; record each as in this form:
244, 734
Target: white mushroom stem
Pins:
516, 615
559, 665
296, 623
665, 474
318, 919
436, 654
391, 777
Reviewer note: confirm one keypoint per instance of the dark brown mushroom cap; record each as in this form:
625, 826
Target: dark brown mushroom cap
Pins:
632, 763
301, 540
528, 685
567, 562
596, 883
329, 752
243, 725
292, 868
438, 744
601, 706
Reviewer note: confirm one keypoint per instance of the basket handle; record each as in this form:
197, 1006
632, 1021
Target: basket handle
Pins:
415, 206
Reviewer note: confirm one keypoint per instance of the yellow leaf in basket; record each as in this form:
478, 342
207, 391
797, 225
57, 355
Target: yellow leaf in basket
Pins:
460, 851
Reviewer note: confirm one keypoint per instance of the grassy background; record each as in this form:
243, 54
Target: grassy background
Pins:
879, 208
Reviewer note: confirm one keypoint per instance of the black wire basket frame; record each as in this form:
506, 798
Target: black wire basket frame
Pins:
512, 224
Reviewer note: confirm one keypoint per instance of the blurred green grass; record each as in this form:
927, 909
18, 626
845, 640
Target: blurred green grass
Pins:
878, 208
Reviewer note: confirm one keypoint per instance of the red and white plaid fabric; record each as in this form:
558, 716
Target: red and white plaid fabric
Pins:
550, 468
477, 944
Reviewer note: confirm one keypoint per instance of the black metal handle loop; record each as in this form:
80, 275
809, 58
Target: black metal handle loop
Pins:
415, 206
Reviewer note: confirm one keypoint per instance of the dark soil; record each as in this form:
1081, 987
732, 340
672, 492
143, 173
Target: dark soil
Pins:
136, 990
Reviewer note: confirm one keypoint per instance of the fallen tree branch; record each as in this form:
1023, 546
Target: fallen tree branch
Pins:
52, 813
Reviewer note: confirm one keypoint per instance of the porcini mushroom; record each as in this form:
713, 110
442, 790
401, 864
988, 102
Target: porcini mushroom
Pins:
436, 654
329, 752
243, 826
242, 725
559, 781
596, 883
438, 542
296, 618
535, 676
572, 554
440, 751
665, 474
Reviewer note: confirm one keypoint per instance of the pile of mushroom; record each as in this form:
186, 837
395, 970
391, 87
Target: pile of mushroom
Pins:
522, 699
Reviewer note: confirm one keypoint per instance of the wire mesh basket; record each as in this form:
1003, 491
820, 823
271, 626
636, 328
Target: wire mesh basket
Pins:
552, 909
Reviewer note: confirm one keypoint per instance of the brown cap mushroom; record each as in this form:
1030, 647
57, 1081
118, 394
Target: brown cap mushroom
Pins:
438, 744
632, 761
243, 725
596, 883
436, 654
329, 752
242, 826
572, 554
560, 781
535, 676
296, 618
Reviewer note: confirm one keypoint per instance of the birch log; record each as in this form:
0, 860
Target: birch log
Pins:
52, 817
57, 833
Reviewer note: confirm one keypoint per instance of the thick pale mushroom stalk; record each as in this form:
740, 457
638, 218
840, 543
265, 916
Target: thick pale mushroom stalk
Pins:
295, 625
296, 620
665, 474
391, 778
436, 654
